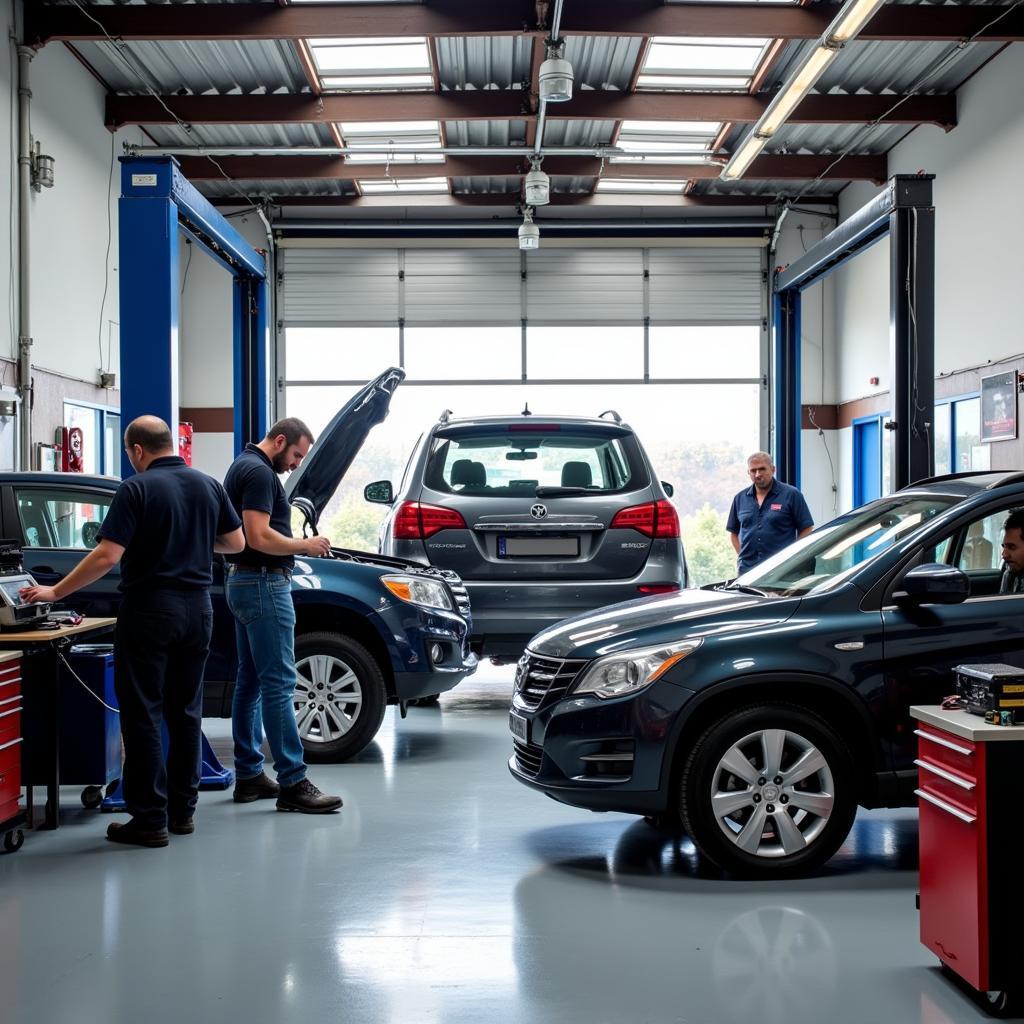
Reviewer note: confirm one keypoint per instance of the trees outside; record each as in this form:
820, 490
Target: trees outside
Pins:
709, 553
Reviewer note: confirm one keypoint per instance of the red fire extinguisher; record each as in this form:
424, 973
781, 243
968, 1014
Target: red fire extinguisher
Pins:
185, 442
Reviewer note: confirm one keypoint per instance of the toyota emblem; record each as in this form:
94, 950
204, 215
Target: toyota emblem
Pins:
538, 511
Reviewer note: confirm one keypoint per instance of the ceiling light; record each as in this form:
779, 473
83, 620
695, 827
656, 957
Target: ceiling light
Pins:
529, 233
787, 99
852, 19
537, 186
555, 76
743, 157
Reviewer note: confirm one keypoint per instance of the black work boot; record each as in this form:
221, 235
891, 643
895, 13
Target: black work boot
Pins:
259, 787
134, 834
307, 799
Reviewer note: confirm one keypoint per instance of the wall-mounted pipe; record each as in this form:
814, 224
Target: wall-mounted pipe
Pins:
25, 55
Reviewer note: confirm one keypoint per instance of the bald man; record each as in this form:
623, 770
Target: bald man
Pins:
163, 526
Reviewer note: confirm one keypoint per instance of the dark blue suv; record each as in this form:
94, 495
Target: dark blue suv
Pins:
370, 631
759, 714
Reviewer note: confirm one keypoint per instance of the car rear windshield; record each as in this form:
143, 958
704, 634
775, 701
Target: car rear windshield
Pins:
517, 461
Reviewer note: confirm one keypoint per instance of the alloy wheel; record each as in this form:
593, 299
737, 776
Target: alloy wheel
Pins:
328, 698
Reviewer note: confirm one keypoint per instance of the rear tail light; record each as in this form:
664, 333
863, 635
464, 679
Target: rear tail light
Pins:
416, 521
658, 588
654, 519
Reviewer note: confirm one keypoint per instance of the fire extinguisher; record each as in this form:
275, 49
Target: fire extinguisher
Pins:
185, 442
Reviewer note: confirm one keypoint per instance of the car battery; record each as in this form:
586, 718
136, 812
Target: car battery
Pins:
992, 690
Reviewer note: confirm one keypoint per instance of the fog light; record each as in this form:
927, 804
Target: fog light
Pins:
436, 653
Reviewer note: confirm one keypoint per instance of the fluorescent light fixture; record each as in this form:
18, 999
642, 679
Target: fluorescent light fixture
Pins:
639, 186
402, 186
789, 96
556, 76
529, 233
743, 157
851, 19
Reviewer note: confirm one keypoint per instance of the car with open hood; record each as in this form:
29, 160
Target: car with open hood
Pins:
759, 714
541, 516
371, 630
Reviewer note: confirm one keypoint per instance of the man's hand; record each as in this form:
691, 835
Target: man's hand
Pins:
318, 547
46, 595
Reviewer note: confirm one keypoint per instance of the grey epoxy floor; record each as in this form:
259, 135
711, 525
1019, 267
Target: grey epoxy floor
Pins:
446, 892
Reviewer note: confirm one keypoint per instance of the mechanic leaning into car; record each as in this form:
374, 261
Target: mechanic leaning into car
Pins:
1012, 579
767, 516
163, 526
259, 594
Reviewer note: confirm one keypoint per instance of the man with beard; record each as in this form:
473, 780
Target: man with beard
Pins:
767, 516
258, 592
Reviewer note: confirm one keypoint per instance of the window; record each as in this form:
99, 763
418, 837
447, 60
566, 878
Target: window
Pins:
340, 353
463, 353
573, 352
685, 62
376, 136
943, 453
982, 546
507, 461
638, 186
404, 186
364, 65
968, 451
101, 436
679, 352
61, 519
676, 136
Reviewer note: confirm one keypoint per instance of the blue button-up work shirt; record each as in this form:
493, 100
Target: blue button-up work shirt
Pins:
767, 528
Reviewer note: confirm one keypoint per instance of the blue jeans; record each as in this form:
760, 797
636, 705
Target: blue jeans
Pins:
261, 603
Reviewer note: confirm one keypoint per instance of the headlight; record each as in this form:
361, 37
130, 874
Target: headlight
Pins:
617, 674
427, 593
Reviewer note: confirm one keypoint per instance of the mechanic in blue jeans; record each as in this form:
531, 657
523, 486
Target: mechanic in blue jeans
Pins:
259, 594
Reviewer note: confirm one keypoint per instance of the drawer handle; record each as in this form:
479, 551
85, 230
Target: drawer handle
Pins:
10, 743
13, 711
948, 808
943, 774
10, 700
943, 743
11, 682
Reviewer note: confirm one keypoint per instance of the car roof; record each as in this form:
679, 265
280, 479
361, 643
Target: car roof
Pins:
965, 484
46, 477
539, 418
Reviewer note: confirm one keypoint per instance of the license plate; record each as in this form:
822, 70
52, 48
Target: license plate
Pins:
538, 547
520, 727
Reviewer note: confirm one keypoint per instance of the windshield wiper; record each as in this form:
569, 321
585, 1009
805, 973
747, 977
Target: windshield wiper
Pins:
559, 492
741, 588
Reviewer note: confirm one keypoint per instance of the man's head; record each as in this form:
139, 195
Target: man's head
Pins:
761, 470
287, 443
145, 439
1013, 541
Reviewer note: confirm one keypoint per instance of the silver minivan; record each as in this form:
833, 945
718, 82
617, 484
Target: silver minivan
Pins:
542, 517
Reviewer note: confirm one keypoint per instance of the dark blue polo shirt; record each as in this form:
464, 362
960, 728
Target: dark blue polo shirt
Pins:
253, 485
167, 520
767, 528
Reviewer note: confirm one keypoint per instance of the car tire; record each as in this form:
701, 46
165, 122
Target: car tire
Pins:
340, 696
768, 791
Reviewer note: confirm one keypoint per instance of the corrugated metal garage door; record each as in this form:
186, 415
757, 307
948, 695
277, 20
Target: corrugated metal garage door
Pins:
714, 284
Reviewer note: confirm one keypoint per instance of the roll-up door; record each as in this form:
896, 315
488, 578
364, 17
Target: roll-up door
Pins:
585, 285
340, 286
705, 285
462, 286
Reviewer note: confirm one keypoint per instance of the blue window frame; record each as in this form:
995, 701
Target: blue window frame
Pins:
957, 426
101, 436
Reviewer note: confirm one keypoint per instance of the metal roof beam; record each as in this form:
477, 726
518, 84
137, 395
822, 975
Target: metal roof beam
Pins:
513, 104
46, 22
772, 167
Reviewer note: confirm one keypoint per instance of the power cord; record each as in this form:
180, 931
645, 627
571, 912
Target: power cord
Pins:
85, 686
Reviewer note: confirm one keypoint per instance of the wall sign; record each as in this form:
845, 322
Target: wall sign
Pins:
999, 406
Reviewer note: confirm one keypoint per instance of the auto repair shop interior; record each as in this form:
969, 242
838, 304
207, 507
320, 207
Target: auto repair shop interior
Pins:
618, 737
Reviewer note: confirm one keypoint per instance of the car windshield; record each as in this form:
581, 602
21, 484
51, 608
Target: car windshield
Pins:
516, 462
824, 559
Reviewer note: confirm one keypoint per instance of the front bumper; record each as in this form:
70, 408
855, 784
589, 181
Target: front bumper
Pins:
605, 755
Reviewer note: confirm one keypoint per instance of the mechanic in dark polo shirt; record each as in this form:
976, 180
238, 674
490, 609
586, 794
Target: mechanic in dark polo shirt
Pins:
767, 516
259, 594
163, 526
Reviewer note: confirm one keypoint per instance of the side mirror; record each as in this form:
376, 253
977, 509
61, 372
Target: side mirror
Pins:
667, 488
380, 492
932, 584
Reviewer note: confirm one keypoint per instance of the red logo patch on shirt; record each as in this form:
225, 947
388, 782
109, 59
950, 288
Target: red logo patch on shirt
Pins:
776, 508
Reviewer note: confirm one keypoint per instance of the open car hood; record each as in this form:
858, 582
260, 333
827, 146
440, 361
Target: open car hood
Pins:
313, 484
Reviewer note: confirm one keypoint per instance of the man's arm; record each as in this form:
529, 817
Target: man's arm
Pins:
735, 538
803, 533
97, 563
263, 537
230, 543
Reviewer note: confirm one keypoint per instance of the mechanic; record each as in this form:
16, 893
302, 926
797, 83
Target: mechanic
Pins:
767, 516
259, 594
1012, 579
164, 525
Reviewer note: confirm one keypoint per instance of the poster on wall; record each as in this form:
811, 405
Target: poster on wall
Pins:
999, 406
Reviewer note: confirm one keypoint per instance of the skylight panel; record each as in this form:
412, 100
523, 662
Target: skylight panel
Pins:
689, 62
376, 138
639, 186
403, 186
367, 64
653, 137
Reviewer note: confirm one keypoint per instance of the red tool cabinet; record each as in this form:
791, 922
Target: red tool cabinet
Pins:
12, 817
970, 787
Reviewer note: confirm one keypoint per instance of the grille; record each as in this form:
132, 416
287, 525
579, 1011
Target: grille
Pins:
543, 680
528, 757
455, 585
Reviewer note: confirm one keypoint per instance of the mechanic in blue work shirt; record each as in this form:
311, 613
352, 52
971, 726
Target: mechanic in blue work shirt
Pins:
767, 516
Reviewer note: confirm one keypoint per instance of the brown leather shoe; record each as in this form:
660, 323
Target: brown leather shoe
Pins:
259, 787
133, 834
307, 799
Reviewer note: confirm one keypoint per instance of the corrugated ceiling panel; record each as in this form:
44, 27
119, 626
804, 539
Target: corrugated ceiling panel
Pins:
576, 133
482, 62
243, 135
340, 285
215, 188
719, 285
462, 285
577, 286
485, 133
602, 62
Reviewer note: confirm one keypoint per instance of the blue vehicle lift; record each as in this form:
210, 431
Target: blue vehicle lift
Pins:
157, 202
904, 211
